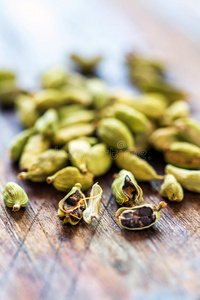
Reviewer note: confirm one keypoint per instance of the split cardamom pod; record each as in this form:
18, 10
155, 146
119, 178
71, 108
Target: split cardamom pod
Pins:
183, 155
35, 145
44, 165
171, 188
189, 179
14, 196
126, 190
93, 205
115, 134
71, 207
139, 217
66, 178
140, 168
99, 160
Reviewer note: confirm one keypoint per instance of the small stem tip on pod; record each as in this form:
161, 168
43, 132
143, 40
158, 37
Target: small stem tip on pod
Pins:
14, 196
139, 217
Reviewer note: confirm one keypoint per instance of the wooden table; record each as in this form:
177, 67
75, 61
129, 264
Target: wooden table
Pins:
42, 259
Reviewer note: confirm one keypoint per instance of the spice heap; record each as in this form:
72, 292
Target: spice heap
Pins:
74, 124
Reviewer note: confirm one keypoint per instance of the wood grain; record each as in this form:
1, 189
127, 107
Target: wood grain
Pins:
39, 257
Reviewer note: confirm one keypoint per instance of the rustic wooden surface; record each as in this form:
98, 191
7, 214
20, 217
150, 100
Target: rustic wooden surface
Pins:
39, 257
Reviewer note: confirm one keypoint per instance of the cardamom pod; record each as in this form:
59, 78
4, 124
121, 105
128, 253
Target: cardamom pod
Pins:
14, 196
86, 65
66, 178
74, 95
7, 75
69, 133
134, 119
65, 111
35, 145
19, 142
151, 105
47, 124
26, 110
90, 139
82, 116
99, 160
78, 150
126, 190
184, 155
49, 98
115, 134
171, 188
142, 138
140, 168
139, 217
44, 165
76, 80
176, 110
71, 207
162, 138
54, 78
93, 206
189, 130
99, 91
189, 179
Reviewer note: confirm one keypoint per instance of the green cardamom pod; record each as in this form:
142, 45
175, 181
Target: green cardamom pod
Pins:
183, 155
72, 95
54, 78
99, 91
69, 133
189, 179
142, 138
82, 116
26, 110
76, 80
14, 196
66, 178
44, 165
35, 145
139, 217
151, 105
134, 119
19, 142
86, 65
47, 124
65, 111
176, 110
171, 188
126, 190
90, 139
115, 134
71, 207
162, 138
7, 75
140, 168
99, 160
189, 130
78, 150
93, 205
49, 98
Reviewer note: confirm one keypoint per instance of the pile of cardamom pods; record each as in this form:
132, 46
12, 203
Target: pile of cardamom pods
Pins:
75, 128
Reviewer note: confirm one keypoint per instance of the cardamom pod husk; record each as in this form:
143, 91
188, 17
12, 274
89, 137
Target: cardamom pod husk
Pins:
93, 205
126, 190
